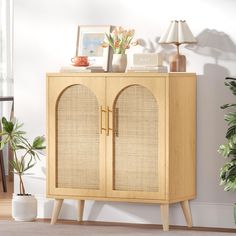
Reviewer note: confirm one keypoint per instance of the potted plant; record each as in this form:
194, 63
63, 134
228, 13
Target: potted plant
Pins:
228, 150
24, 205
119, 40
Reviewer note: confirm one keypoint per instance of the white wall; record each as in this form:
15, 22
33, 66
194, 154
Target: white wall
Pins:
44, 39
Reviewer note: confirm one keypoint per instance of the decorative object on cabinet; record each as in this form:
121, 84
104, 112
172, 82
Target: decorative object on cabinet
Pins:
80, 61
119, 40
89, 43
147, 62
119, 62
81, 69
24, 205
178, 33
160, 69
122, 137
228, 150
148, 59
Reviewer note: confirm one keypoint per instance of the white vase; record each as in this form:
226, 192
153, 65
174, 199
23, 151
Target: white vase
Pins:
24, 208
119, 62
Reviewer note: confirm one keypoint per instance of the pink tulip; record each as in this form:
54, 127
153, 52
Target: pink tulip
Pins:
116, 44
105, 45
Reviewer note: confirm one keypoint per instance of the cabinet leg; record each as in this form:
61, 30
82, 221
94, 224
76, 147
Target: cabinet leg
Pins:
80, 210
56, 210
187, 212
165, 216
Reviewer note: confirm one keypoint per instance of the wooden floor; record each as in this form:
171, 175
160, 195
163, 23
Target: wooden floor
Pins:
8, 194
5, 214
5, 201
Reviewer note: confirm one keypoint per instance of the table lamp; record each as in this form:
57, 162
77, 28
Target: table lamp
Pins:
178, 33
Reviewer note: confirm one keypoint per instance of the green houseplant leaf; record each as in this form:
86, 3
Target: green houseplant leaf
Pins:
231, 131
228, 105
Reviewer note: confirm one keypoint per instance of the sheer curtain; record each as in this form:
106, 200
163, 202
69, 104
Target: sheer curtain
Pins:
6, 71
6, 21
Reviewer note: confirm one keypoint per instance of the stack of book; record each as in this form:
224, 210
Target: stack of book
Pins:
81, 69
160, 69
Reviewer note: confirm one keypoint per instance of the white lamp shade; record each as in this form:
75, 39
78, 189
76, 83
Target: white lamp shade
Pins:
178, 33
171, 35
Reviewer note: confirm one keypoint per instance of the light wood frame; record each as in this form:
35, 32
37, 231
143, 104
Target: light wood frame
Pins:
157, 88
60, 84
95, 30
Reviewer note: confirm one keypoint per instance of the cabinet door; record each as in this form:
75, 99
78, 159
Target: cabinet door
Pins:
136, 141
76, 165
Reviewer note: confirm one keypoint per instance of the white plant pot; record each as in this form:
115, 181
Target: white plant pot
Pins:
119, 62
24, 208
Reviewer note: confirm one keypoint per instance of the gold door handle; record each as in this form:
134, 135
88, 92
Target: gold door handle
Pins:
108, 111
116, 121
101, 112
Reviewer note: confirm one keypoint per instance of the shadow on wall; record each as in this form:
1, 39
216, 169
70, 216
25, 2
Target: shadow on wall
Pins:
216, 44
211, 94
151, 47
126, 211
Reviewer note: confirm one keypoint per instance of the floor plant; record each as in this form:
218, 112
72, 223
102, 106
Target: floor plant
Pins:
26, 155
228, 149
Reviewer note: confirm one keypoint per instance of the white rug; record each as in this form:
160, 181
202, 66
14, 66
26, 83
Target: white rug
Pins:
12, 228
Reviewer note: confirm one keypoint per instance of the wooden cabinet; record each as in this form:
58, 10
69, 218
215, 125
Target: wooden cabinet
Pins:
122, 137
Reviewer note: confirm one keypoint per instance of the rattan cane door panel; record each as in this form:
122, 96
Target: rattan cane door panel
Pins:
77, 139
79, 154
135, 113
137, 138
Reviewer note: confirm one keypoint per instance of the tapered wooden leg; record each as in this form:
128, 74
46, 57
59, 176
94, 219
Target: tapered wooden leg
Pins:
165, 216
80, 210
56, 210
187, 212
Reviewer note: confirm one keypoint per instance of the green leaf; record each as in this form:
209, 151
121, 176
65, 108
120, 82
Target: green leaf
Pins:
2, 145
233, 138
18, 146
231, 84
228, 105
224, 150
110, 41
16, 166
7, 126
38, 142
29, 167
232, 143
231, 131
18, 125
231, 118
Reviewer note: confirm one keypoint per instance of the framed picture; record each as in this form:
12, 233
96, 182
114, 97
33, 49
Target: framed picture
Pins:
89, 43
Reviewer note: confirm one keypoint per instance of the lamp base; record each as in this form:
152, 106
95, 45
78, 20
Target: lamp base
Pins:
177, 63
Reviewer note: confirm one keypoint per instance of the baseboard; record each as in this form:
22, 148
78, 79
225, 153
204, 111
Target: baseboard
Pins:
216, 215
